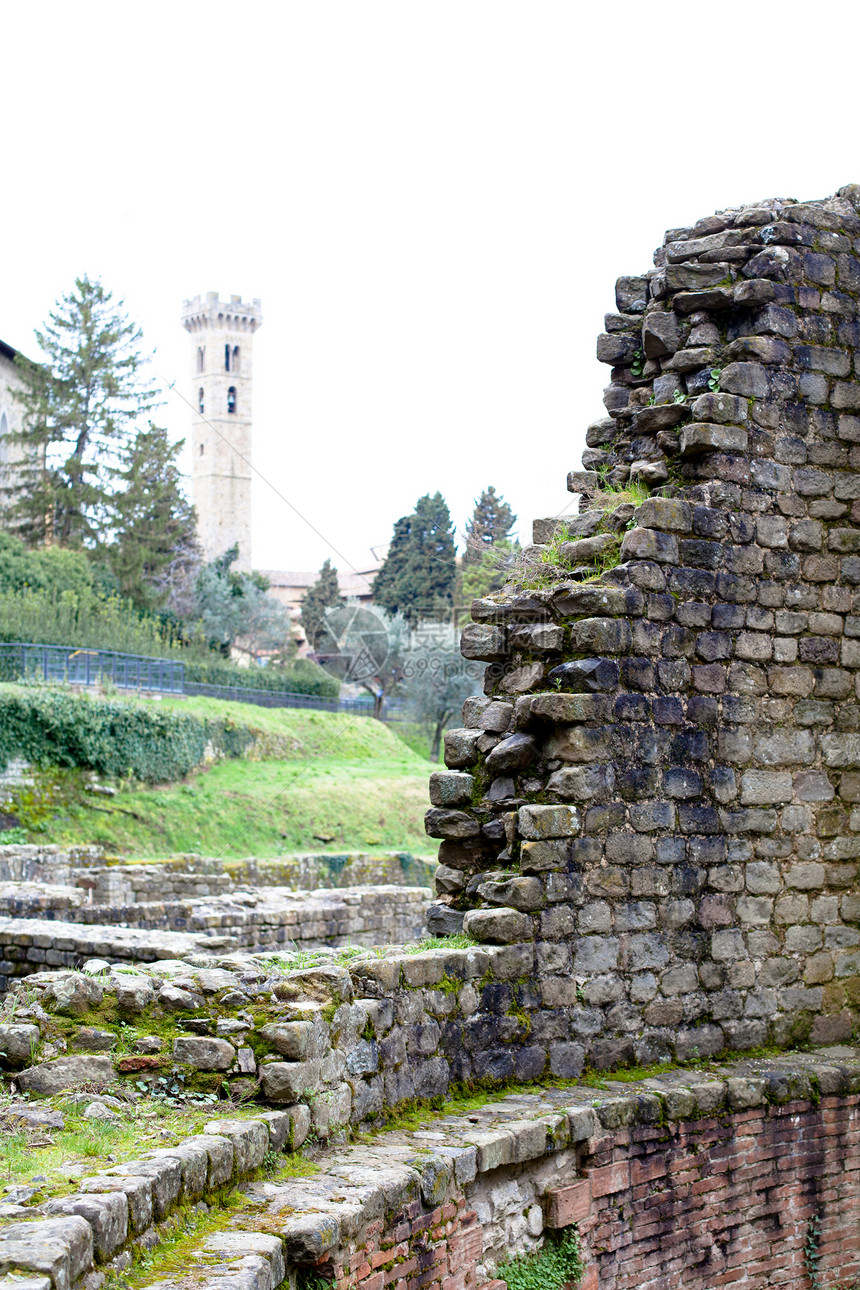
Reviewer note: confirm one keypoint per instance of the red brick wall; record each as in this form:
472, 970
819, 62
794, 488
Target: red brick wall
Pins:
440, 1247
706, 1203
720, 1201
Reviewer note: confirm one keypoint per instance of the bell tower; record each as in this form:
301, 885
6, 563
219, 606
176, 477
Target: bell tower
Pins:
221, 334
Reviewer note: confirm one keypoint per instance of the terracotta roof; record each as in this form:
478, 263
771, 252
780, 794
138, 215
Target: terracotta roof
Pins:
350, 583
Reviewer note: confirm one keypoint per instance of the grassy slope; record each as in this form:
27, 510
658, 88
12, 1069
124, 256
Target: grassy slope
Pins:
336, 776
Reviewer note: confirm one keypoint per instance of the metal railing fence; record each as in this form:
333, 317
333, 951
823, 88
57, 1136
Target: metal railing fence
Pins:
70, 665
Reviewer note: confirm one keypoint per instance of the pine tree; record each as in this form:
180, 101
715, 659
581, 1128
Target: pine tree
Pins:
153, 524
492, 521
323, 595
417, 576
79, 406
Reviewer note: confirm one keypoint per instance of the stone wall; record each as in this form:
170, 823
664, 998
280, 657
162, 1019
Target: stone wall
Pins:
659, 791
751, 1175
276, 921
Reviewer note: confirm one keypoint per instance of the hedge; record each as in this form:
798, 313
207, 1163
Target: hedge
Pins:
303, 677
110, 736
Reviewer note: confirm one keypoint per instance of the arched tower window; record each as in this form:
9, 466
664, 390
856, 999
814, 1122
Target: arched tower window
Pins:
226, 358
201, 449
231, 399
201, 359
235, 359
200, 400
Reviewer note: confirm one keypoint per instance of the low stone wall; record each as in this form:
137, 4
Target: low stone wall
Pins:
45, 863
274, 922
190, 876
751, 1175
276, 917
706, 1184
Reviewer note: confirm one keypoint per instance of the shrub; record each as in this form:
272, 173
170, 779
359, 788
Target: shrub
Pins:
112, 737
559, 1263
302, 677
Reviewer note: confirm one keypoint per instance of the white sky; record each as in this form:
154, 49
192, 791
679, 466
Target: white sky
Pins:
433, 201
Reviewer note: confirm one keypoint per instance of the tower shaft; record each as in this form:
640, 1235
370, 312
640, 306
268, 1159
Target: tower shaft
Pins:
221, 334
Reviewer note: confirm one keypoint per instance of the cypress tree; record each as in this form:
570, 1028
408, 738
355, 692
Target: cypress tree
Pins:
323, 595
417, 576
153, 524
492, 521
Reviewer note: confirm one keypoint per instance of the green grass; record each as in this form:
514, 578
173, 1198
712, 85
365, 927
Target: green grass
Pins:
142, 1126
269, 808
315, 781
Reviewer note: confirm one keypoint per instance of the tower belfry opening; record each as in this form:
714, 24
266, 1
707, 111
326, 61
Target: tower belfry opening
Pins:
221, 425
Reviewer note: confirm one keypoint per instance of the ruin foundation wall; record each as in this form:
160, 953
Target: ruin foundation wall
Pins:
660, 789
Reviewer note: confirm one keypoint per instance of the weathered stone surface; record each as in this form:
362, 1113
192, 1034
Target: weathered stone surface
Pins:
62, 1073
650, 544
288, 1081
664, 513
602, 635
512, 754
571, 600
564, 708
450, 824
586, 549
18, 1044
204, 1054
293, 1039
498, 926
461, 747
660, 334
481, 642
700, 437
726, 409
536, 822
451, 789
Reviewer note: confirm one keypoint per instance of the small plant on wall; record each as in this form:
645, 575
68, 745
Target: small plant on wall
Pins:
558, 1264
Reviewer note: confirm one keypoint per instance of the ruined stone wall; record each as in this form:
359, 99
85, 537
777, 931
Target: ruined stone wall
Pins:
701, 1178
660, 789
273, 921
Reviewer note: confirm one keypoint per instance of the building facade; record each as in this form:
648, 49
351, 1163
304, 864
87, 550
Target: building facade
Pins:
11, 420
222, 332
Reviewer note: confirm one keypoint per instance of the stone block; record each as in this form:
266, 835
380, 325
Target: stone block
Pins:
700, 437
650, 544
666, 513
746, 379
536, 822
479, 641
250, 1139
514, 753
545, 856
294, 1040
106, 1214
287, 1082
727, 409
569, 709
451, 789
65, 1073
601, 635
498, 926
461, 748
